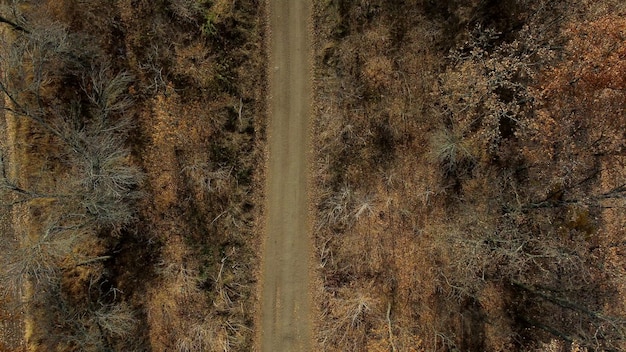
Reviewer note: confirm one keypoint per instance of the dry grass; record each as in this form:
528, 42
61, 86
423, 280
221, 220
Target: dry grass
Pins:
201, 197
348, 325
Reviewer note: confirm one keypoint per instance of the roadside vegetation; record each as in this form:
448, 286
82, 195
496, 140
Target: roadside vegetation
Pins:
470, 175
469, 171
131, 136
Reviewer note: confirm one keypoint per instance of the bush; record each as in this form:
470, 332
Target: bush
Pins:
451, 150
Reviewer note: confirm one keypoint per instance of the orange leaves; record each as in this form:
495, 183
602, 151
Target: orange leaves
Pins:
579, 105
595, 57
600, 49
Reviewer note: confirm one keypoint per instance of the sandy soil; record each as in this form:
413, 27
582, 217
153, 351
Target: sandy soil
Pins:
285, 316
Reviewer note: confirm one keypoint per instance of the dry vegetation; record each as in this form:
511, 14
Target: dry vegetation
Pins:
470, 175
470, 168
129, 170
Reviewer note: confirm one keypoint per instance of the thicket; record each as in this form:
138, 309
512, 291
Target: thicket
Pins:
541, 163
67, 177
471, 175
99, 91
206, 131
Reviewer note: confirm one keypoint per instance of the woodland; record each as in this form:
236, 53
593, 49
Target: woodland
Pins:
468, 174
131, 135
470, 184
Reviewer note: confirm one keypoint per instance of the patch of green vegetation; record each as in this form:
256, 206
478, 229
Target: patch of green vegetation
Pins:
208, 28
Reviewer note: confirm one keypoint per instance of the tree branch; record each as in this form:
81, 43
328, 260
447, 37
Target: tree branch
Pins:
13, 25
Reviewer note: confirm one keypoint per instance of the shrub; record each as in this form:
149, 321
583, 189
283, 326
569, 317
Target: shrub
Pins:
451, 150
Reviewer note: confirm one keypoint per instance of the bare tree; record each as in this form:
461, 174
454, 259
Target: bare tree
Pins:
39, 258
92, 188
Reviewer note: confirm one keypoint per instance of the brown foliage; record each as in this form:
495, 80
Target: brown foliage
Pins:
463, 197
195, 103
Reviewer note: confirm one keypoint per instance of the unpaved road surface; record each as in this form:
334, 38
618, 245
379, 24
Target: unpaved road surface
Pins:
285, 302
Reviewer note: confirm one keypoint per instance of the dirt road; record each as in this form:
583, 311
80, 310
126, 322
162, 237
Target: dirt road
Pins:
285, 304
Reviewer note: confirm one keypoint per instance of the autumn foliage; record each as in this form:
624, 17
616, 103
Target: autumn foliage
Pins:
471, 202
